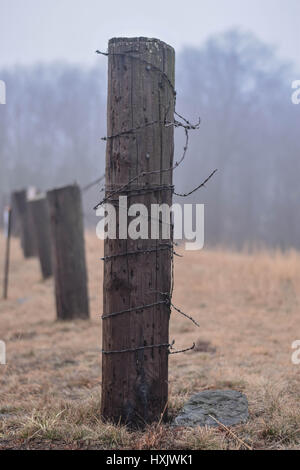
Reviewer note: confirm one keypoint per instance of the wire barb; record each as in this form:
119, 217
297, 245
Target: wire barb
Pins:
183, 350
202, 185
139, 348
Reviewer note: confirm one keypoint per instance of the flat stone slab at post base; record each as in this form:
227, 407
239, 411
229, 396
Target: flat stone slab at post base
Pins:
229, 407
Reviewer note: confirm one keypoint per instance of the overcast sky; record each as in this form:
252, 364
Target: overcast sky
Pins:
46, 30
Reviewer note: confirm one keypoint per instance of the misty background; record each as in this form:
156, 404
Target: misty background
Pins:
55, 116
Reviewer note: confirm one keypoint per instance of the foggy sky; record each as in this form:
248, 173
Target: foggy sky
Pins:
71, 30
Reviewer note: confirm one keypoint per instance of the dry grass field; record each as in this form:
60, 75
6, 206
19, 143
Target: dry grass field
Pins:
247, 306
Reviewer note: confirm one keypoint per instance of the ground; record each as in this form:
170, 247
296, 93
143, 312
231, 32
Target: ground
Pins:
247, 306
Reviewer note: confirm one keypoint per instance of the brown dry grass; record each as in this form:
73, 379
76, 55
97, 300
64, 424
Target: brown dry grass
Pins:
248, 310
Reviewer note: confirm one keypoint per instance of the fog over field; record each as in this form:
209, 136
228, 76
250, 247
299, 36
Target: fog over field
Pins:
52, 124
118, 332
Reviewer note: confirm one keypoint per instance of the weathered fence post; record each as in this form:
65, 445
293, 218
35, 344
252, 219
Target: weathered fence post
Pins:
27, 233
136, 310
40, 218
69, 265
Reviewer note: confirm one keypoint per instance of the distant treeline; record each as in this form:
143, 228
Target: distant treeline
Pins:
55, 115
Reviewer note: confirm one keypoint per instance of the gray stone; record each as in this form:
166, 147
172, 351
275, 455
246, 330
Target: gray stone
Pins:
227, 406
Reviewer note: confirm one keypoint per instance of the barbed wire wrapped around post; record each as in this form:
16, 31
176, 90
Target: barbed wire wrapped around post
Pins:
131, 188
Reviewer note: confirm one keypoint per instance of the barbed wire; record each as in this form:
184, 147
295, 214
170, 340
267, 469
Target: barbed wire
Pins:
130, 131
179, 351
186, 125
168, 345
166, 301
151, 346
129, 189
135, 191
164, 246
201, 185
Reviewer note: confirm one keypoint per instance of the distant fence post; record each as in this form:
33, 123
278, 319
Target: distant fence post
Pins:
69, 266
41, 222
7, 228
139, 159
27, 233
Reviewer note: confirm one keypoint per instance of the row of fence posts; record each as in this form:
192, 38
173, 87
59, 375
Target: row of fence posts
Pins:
50, 226
138, 277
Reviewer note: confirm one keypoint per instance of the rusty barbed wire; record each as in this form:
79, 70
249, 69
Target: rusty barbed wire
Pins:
127, 188
162, 247
202, 185
149, 66
182, 350
138, 349
130, 131
167, 301
135, 191
134, 309
151, 346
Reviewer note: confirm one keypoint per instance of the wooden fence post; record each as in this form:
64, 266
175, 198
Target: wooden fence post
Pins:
40, 218
136, 312
69, 265
27, 233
